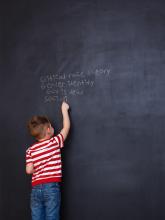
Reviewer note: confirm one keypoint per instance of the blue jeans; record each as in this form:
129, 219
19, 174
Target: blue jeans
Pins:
45, 201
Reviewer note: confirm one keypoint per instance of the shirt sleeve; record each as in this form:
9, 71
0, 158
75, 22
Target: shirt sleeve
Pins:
28, 157
60, 140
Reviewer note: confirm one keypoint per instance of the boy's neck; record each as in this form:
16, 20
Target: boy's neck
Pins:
44, 139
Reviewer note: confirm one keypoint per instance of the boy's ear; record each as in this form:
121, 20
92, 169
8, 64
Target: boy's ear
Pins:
48, 129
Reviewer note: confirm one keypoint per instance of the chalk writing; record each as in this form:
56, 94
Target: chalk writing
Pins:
76, 92
81, 83
57, 87
102, 72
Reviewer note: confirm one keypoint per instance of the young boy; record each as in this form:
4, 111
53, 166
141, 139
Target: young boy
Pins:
43, 161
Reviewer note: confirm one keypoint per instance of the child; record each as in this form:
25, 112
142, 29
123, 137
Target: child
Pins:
43, 161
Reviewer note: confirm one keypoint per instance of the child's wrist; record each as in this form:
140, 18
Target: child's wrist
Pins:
64, 111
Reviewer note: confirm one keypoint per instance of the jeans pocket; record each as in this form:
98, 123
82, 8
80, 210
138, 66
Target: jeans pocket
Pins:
51, 198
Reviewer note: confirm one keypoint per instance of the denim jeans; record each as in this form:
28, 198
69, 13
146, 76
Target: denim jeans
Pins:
45, 201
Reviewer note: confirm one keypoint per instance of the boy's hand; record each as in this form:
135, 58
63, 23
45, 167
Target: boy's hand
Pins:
30, 168
64, 107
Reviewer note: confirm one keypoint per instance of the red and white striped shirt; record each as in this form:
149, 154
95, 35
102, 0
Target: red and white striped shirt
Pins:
46, 158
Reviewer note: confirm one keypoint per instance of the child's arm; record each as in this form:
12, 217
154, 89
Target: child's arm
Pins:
29, 168
29, 163
66, 120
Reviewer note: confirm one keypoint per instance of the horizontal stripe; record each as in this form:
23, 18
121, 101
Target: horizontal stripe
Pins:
43, 143
39, 144
40, 178
51, 146
46, 177
29, 161
48, 174
52, 167
46, 156
48, 165
55, 160
45, 146
47, 151
46, 159
46, 180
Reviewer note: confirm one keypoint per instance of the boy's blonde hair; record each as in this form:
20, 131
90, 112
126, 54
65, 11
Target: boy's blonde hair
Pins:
37, 126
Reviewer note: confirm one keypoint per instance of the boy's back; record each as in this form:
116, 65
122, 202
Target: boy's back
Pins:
46, 158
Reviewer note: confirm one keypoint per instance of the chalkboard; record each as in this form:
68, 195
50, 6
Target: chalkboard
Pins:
107, 60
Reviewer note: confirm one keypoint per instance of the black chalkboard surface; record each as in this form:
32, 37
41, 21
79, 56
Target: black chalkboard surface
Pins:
106, 59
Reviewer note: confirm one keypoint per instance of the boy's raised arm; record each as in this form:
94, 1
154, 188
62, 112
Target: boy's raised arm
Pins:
66, 120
